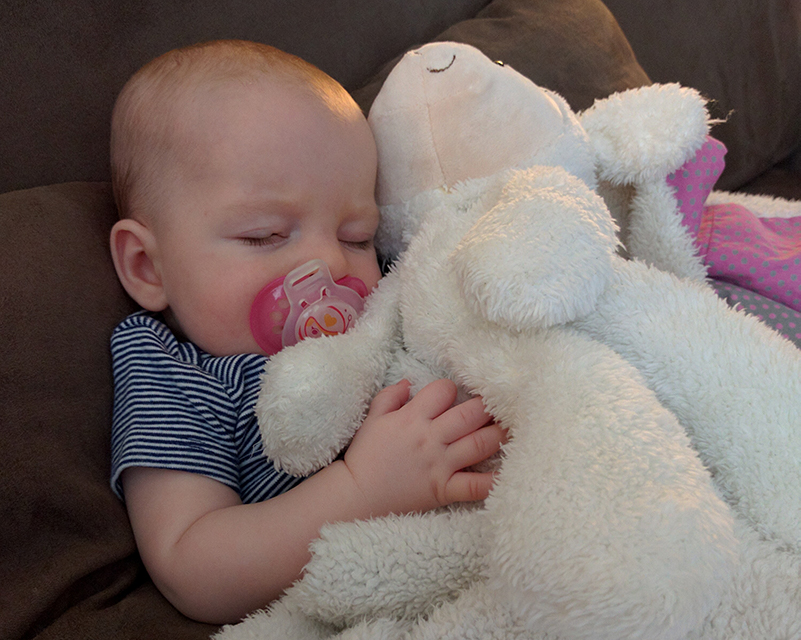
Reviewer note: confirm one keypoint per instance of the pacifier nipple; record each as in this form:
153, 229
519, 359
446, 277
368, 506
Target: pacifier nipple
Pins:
307, 303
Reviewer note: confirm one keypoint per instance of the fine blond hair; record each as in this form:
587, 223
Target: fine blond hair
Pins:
148, 109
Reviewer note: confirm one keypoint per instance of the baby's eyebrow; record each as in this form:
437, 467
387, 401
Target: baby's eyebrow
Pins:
245, 216
258, 205
263, 206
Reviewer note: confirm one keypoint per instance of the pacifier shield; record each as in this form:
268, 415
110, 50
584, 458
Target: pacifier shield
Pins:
307, 303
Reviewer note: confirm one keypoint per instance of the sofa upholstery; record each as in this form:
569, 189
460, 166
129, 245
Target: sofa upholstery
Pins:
68, 562
746, 57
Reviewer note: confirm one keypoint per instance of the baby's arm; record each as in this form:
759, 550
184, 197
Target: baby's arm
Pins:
216, 559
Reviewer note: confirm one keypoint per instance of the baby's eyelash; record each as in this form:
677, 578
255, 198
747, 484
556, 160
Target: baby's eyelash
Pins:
261, 241
363, 245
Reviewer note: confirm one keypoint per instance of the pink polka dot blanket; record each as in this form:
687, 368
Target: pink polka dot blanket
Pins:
754, 262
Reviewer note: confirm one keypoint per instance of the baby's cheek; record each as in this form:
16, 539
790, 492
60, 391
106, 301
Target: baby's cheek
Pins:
371, 272
219, 324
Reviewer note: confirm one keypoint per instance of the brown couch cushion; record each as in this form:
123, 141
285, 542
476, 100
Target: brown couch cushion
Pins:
574, 47
782, 180
66, 547
743, 54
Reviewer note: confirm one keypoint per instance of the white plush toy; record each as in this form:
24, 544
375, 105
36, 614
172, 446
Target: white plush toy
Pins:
603, 522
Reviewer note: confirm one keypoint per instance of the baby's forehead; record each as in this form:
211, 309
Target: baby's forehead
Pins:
233, 94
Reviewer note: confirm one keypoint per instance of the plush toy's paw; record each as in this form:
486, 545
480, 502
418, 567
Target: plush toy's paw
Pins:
315, 394
398, 567
313, 398
643, 134
542, 255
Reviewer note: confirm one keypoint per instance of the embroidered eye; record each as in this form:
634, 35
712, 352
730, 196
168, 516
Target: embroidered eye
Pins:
445, 68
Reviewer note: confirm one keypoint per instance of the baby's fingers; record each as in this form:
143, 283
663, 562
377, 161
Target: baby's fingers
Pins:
476, 447
390, 399
467, 486
462, 420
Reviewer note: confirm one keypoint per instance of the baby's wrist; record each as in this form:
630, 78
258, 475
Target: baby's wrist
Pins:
353, 496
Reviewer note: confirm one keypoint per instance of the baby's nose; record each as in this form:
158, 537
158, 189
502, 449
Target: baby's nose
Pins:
334, 256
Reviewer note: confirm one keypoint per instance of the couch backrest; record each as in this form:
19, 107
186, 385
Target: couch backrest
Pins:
64, 62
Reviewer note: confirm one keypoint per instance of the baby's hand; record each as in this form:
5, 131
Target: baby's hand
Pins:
410, 455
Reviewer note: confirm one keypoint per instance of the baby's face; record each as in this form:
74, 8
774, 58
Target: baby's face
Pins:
269, 180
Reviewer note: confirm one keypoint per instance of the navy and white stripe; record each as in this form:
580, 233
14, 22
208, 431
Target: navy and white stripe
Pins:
177, 407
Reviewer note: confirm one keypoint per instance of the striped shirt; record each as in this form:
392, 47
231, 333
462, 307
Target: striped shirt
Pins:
177, 407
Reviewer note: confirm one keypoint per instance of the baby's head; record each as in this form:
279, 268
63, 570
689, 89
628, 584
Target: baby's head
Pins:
233, 163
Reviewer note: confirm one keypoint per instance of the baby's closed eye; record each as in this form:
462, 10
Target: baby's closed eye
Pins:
359, 245
263, 241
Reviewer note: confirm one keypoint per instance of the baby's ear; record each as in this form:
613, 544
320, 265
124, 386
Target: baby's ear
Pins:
133, 249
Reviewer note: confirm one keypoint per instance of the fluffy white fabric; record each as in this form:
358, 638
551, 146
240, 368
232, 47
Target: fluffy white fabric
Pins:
612, 376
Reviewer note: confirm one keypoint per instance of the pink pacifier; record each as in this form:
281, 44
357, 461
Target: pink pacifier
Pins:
306, 303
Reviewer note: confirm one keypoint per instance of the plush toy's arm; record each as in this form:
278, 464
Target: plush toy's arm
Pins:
397, 567
639, 137
657, 236
541, 255
315, 394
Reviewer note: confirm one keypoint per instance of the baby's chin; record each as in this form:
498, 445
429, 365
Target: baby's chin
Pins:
215, 345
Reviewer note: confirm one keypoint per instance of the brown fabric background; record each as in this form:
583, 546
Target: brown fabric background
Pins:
573, 47
68, 563
64, 62
743, 54
783, 180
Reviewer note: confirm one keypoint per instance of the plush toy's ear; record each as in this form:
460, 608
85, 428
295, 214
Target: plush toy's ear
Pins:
542, 255
643, 134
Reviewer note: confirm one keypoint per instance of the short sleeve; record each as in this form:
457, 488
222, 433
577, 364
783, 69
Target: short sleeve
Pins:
168, 412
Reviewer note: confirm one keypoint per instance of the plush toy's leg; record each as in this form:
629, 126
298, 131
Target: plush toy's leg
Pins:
281, 620
395, 567
605, 524
762, 206
380, 629
764, 598
374, 578
734, 384
478, 614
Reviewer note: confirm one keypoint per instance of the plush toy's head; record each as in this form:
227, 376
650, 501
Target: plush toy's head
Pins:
495, 178
447, 114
